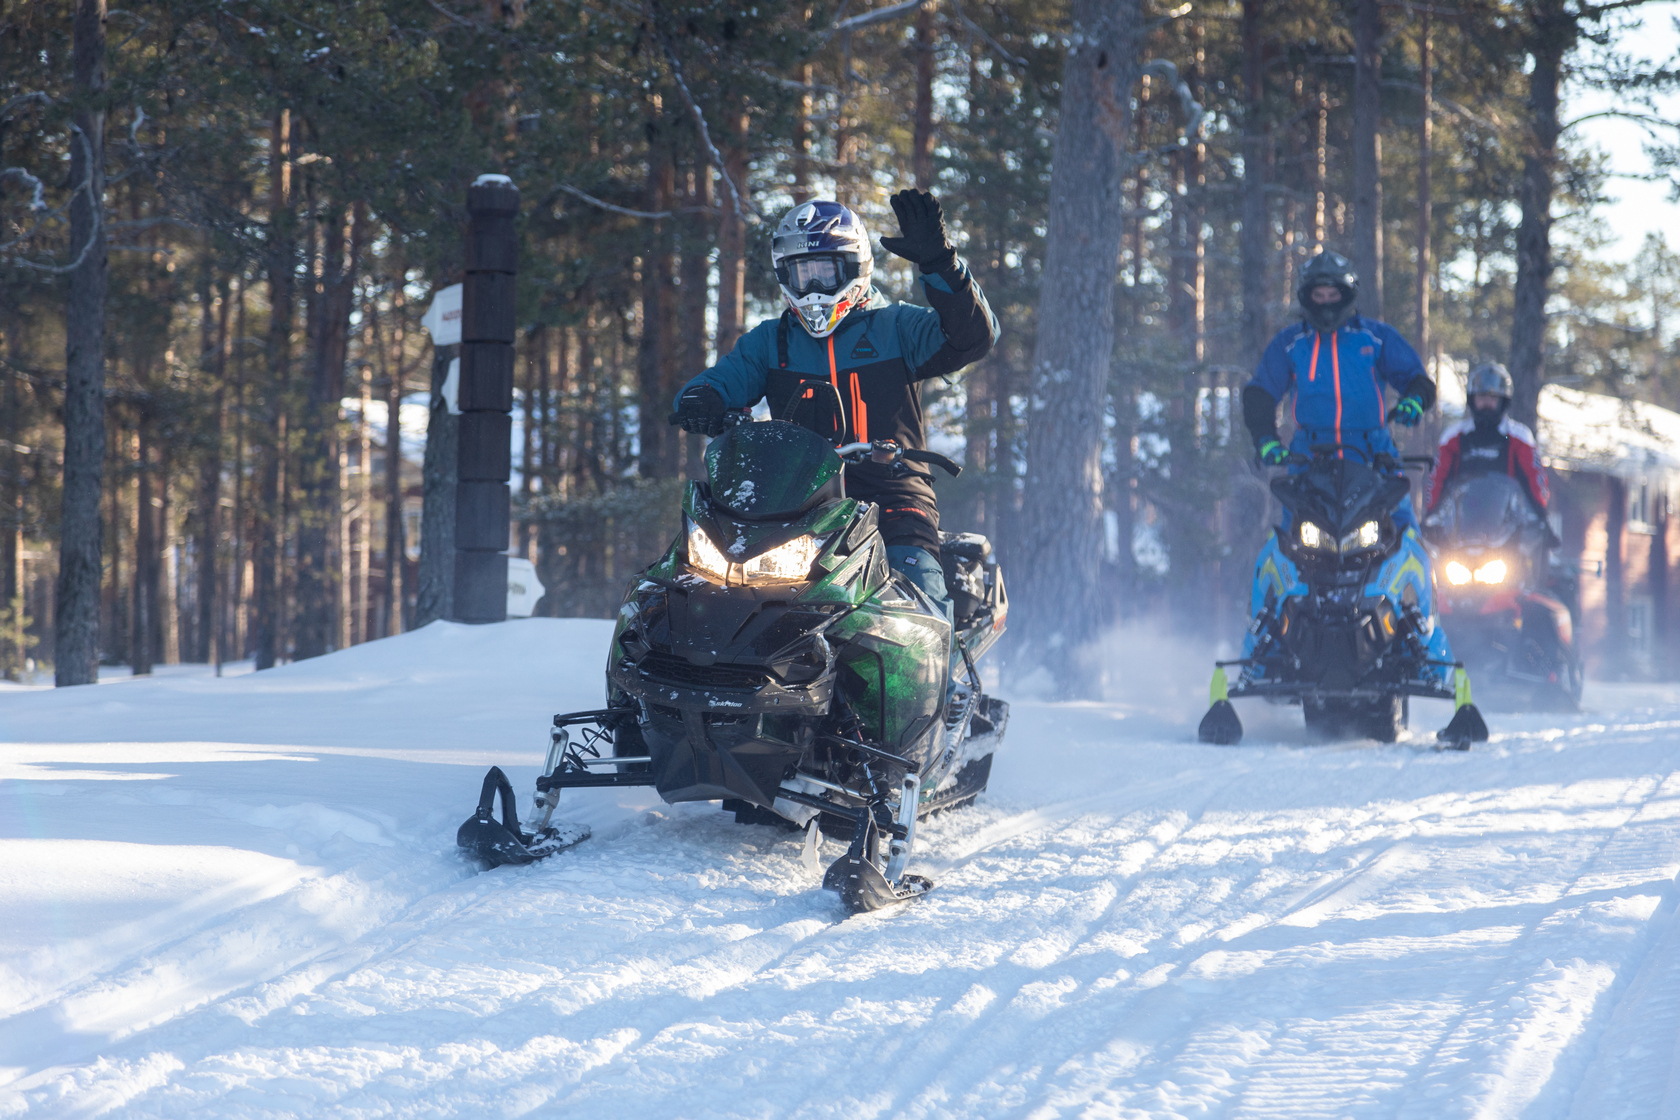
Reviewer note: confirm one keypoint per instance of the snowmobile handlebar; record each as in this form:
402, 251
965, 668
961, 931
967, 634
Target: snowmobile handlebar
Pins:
888, 451
1380, 460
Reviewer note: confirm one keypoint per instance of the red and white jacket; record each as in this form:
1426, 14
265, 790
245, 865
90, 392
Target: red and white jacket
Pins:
1510, 449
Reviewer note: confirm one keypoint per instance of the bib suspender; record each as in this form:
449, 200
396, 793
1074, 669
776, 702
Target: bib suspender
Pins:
782, 339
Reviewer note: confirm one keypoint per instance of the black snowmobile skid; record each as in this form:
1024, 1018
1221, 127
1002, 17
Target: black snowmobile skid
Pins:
1221, 727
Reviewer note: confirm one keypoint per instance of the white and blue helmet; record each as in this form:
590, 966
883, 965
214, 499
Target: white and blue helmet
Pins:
823, 262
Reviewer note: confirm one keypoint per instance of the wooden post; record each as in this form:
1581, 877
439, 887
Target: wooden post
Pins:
484, 458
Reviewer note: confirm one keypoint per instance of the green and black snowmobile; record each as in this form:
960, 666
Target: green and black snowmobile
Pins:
772, 661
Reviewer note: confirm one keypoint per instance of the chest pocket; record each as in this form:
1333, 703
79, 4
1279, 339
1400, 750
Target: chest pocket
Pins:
1337, 385
834, 402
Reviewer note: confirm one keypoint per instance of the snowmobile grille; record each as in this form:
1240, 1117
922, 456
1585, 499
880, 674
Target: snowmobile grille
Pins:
664, 669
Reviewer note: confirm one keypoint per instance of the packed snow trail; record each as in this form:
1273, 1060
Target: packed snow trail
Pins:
241, 897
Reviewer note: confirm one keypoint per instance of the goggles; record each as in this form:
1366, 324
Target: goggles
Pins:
827, 273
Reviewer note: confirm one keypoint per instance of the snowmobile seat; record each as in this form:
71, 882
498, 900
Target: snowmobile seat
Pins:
965, 556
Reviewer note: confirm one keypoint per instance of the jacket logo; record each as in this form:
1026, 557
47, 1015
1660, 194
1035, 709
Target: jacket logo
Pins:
1367, 351
864, 349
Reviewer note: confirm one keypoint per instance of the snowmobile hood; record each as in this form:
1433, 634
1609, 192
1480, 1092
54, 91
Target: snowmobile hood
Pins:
772, 471
1340, 494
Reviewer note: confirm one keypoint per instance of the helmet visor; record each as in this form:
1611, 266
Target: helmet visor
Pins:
820, 272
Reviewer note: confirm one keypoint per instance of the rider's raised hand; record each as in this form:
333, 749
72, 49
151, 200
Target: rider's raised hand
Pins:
921, 221
1273, 453
700, 410
1409, 412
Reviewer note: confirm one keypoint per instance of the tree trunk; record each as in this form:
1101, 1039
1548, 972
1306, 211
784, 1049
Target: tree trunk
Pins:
436, 598
1059, 594
653, 360
213, 331
1552, 32
692, 298
732, 245
1426, 136
76, 598
1367, 156
396, 545
268, 640
143, 651
11, 522
320, 477
1256, 223
921, 140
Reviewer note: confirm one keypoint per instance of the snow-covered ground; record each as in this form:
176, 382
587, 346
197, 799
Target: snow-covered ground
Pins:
240, 898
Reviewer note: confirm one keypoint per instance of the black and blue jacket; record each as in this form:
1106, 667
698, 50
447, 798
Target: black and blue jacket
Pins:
876, 359
1340, 379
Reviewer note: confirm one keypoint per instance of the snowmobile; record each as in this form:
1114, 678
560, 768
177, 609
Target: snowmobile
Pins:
772, 661
1518, 638
1343, 614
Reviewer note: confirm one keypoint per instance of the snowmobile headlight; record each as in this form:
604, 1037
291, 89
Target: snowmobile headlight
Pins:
790, 561
703, 555
1314, 537
1457, 574
1366, 536
1491, 572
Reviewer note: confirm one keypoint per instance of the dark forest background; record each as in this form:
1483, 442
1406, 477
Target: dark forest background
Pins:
281, 189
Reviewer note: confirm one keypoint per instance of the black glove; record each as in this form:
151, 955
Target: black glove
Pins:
922, 222
700, 410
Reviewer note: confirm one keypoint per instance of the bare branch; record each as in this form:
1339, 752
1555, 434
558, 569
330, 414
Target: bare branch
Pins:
882, 15
956, 6
21, 100
95, 234
736, 198
593, 201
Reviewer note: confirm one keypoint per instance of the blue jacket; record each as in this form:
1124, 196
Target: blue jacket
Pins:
1339, 379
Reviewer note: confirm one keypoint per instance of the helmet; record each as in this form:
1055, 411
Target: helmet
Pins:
1489, 377
823, 262
1334, 270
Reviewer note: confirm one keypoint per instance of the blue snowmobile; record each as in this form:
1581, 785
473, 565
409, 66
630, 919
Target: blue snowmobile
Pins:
1343, 607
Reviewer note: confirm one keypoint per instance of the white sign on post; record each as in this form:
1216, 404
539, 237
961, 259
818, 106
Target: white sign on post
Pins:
524, 588
443, 317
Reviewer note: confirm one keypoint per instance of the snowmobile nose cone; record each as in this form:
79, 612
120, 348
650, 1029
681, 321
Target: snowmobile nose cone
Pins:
1221, 726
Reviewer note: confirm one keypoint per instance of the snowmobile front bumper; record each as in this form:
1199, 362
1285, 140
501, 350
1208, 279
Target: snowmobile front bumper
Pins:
1222, 727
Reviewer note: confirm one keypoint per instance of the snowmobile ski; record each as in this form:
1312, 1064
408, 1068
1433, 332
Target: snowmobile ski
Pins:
495, 843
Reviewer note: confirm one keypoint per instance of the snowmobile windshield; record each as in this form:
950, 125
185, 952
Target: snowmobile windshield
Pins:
1339, 494
771, 471
1485, 511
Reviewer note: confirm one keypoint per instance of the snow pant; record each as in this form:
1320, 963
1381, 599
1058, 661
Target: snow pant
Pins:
921, 568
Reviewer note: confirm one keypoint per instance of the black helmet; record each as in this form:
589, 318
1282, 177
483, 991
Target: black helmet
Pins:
1489, 377
1328, 269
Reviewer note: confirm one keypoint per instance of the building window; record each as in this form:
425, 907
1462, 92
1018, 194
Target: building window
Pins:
1639, 624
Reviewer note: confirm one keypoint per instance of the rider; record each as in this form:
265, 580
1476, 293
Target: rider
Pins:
1338, 362
1488, 441
876, 353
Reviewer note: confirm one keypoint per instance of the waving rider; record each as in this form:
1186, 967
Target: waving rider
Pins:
875, 352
